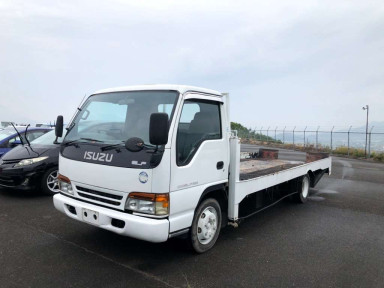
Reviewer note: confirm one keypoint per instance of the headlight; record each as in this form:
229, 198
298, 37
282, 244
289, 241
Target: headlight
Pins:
65, 184
149, 203
26, 162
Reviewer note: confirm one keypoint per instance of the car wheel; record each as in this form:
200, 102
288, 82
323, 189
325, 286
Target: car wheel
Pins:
206, 225
49, 183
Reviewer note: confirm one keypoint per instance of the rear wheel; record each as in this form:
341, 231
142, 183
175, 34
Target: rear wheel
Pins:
49, 183
303, 190
206, 225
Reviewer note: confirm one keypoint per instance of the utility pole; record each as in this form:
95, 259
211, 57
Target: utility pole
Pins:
349, 130
369, 142
366, 107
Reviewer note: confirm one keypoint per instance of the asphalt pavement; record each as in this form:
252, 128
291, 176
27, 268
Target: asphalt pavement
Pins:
336, 239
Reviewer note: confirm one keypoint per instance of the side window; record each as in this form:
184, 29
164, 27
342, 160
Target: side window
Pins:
199, 121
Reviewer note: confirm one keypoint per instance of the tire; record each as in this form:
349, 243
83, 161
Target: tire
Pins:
206, 225
303, 189
49, 185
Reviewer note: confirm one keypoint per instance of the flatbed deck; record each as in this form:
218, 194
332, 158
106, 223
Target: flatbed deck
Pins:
253, 168
253, 172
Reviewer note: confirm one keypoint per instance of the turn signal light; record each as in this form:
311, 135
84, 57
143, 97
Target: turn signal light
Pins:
150, 203
65, 184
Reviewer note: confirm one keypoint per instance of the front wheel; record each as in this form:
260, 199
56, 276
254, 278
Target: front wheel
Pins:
206, 225
303, 189
49, 183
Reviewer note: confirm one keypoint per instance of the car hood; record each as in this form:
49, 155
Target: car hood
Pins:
26, 152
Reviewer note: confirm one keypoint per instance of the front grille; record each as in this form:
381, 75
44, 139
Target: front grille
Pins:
103, 197
112, 196
11, 181
7, 181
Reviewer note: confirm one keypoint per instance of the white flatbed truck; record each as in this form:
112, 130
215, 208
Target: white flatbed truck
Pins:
159, 161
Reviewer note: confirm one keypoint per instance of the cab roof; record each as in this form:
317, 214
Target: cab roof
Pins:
181, 88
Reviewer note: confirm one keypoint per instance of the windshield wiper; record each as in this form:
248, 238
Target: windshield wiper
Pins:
72, 142
21, 138
118, 145
76, 141
113, 146
25, 134
92, 140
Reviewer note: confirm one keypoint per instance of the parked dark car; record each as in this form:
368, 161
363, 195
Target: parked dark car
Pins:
10, 139
32, 167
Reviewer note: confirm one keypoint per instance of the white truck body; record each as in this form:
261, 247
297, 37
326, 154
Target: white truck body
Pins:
100, 192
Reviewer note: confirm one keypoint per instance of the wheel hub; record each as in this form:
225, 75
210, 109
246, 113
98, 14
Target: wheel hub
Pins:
52, 182
305, 187
207, 225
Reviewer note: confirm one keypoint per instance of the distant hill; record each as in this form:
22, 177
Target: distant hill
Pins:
377, 127
244, 132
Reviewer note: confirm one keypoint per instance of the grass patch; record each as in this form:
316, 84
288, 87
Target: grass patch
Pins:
378, 156
342, 150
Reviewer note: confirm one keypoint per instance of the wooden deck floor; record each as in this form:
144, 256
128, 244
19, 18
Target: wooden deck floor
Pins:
253, 168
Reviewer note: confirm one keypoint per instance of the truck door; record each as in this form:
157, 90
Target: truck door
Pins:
199, 156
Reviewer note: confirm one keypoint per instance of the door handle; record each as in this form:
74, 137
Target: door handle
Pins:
220, 165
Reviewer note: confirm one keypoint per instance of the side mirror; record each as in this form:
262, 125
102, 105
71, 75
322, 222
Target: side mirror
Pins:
59, 126
158, 129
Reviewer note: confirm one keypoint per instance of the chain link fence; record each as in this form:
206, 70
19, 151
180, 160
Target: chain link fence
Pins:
331, 140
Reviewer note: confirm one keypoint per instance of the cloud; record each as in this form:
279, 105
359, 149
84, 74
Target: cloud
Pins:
284, 62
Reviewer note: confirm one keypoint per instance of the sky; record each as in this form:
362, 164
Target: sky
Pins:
284, 63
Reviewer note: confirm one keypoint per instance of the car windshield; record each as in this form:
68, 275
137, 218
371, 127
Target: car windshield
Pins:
47, 139
112, 118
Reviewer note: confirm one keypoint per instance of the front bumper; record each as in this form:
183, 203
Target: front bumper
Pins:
152, 230
19, 178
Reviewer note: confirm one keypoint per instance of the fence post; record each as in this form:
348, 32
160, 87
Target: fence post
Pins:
349, 130
332, 138
369, 145
304, 136
260, 132
317, 137
275, 133
268, 133
294, 136
284, 134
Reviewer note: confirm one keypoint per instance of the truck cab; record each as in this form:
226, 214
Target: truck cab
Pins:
112, 176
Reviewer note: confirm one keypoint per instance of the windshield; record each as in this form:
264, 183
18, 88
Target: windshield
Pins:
47, 139
115, 117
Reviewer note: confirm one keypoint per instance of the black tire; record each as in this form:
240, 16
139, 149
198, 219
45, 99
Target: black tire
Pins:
45, 187
203, 237
303, 189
